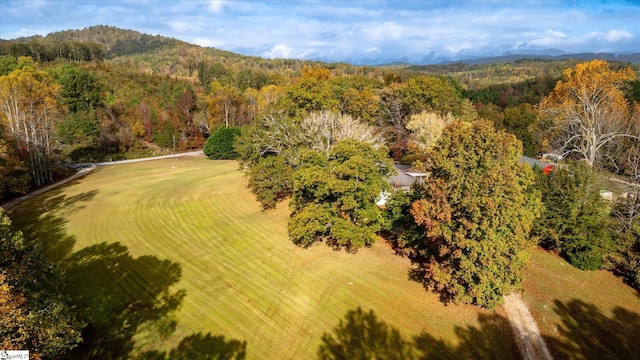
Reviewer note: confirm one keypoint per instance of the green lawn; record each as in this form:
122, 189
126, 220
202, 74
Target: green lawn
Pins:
582, 314
169, 254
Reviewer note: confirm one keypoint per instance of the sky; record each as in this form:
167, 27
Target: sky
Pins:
359, 32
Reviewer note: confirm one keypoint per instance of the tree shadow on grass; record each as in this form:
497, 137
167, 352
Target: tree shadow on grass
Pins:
43, 224
203, 347
492, 340
587, 333
362, 336
117, 294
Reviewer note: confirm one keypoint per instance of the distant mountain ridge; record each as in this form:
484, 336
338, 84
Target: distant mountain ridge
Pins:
633, 58
119, 43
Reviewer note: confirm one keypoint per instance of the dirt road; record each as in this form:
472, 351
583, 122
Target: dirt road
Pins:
525, 329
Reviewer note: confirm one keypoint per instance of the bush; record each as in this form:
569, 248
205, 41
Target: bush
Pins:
219, 145
586, 257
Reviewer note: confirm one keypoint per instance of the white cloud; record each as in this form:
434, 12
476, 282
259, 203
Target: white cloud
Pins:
382, 31
556, 34
278, 51
345, 30
24, 32
183, 26
208, 42
617, 35
216, 6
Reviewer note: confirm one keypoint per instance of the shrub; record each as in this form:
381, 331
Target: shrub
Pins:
219, 145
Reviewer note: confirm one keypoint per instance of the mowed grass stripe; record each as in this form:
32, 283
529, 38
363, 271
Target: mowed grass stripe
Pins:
242, 276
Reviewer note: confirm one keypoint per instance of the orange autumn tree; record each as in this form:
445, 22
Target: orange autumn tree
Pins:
587, 115
476, 211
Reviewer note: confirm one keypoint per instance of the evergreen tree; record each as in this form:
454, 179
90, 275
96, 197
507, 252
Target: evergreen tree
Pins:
219, 145
576, 218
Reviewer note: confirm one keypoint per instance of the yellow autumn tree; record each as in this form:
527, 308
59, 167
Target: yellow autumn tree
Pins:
29, 109
426, 128
587, 113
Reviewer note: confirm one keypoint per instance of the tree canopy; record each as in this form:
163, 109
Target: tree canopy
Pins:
220, 144
28, 106
587, 112
34, 311
334, 196
477, 210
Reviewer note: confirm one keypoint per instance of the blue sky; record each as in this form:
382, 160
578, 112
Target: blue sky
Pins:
353, 31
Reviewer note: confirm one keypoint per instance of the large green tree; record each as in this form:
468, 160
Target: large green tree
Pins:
575, 220
271, 180
334, 196
81, 90
436, 94
286, 138
478, 208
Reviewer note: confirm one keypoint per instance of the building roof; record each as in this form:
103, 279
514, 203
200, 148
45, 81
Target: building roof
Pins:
532, 161
405, 176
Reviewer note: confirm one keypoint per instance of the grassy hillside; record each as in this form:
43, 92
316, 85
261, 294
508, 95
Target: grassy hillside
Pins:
582, 314
186, 236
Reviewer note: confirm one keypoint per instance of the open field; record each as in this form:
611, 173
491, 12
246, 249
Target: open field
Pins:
582, 314
170, 253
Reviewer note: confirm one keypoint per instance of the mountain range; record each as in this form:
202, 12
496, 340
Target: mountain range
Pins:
122, 42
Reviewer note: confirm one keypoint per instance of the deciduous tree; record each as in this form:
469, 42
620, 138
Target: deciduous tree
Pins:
334, 196
14, 175
477, 211
28, 105
587, 112
271, 180
276, 135
33, 309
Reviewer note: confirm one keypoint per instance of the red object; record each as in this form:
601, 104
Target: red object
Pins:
547, 169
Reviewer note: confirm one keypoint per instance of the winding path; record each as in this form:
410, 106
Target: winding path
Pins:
525, 329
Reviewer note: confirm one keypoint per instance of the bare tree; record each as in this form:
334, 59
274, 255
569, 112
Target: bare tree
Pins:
426, 128
323, 130
628, 208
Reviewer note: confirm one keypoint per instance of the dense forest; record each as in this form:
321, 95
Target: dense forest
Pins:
104, 93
